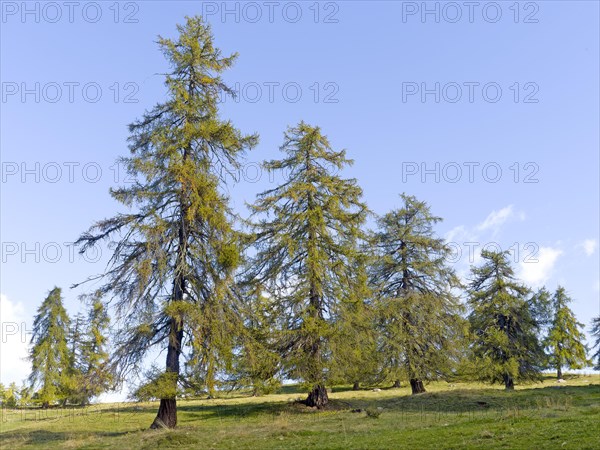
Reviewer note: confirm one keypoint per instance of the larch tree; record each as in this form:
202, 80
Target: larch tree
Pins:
306, 241
257, 361
503, 327
596, 334
565, 339
49, 354
419, 319
95, 377
170, 277
355, 358
74, 382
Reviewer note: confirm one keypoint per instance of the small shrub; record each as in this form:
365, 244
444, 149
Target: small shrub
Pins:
373, 413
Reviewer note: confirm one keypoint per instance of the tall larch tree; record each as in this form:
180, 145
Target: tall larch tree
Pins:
49, 354
306, 240
419, 319
74, 382
95, 373
355, 358
565, 337
505, 343
175, 250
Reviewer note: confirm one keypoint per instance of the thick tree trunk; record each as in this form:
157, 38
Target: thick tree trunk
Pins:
559, 373
417, 386
509, 383
167, 411
167, 414
396, 384
317, 397
356, 386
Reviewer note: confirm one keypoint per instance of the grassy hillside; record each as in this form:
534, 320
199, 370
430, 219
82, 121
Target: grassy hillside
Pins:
548, 415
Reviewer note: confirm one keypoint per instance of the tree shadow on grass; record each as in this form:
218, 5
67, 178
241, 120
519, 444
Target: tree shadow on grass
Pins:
471, 400
454, 401
48, 438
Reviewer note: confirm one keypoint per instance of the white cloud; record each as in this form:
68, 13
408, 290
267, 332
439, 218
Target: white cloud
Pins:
469, 241
13, 342
459, 234
589, 246
538, 269
497, 218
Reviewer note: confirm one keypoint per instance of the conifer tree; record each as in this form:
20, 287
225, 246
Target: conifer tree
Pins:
306, 241
541, 309
506, 346
596, 334
355, 358
175, 251
419, 318
95, 375
257, 362
74, 381
49, 355
565, 339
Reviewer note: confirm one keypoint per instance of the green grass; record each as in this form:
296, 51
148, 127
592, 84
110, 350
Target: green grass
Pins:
460, 415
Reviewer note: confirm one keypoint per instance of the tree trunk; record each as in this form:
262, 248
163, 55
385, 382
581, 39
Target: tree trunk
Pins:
509, 383
396, 384
559, 373
167, 414
416, 386
356, 386
317, 397
167, 411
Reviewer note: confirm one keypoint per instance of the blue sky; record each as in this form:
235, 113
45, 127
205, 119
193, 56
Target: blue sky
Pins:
504, 144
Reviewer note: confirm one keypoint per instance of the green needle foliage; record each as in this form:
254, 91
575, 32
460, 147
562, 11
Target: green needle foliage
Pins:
565, 339
306, 246
506, 347
419, 318
49, 355
355, 357
258, 362
96, 377
596, 334
175, 252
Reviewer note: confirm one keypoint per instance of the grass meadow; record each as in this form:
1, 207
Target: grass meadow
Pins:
460, 415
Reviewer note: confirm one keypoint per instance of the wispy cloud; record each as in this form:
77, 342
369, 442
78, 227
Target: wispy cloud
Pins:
13, 345
496, 219
589, 246
537, 270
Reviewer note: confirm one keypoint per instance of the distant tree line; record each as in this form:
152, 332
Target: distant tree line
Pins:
302, 290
